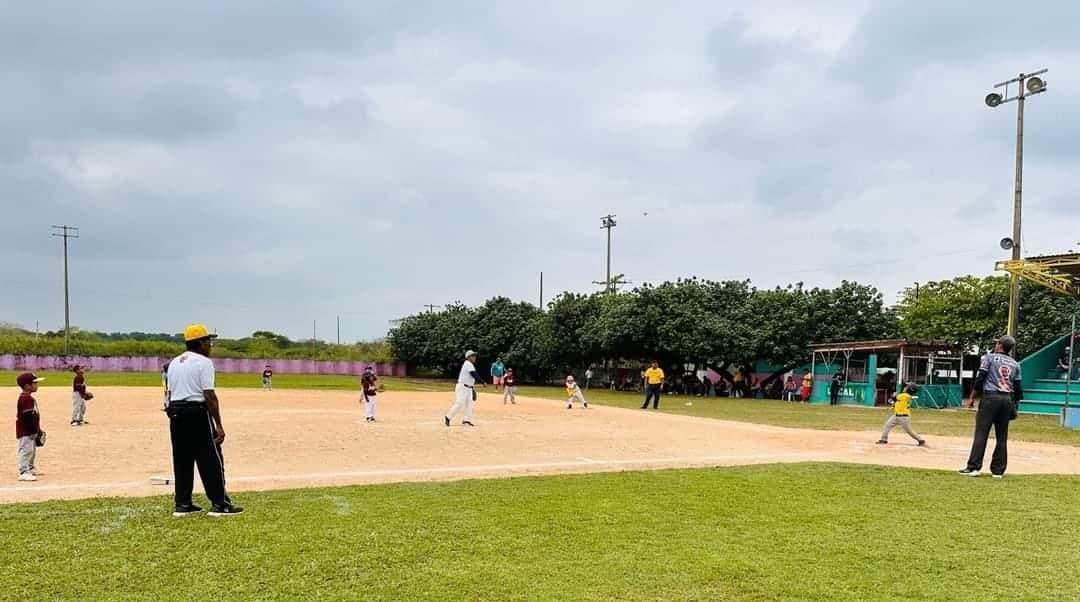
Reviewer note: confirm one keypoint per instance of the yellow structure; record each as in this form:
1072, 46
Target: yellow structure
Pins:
1060, 273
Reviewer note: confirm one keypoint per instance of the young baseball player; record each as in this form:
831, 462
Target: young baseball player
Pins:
79, 397
369, 385
509, 387
573, 393
901, 416
268, 378
27, 426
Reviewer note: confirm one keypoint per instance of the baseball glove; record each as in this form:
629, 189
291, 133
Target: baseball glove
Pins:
39, 441
88, 396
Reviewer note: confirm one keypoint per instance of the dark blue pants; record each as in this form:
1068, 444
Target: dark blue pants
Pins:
652, 392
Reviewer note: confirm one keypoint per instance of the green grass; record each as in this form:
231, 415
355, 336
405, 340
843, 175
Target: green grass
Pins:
1041, 429
784, 532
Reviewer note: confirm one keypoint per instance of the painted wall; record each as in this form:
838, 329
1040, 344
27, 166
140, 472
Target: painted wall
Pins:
224, 365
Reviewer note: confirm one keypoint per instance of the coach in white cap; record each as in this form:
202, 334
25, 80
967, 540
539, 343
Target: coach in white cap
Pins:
465, 391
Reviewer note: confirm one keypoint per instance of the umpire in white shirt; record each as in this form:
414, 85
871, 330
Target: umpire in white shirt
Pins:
195, 426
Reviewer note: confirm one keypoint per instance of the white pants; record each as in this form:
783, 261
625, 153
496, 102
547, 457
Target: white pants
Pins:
463, 401
510, 394
26, 454
576, 397
369, 406
78, 407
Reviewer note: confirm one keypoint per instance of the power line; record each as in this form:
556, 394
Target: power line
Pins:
66, 232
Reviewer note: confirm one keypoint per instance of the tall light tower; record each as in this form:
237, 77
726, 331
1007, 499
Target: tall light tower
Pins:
608, 222
66, 232
1027, 84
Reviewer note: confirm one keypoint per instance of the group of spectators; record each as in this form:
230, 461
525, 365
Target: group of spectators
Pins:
1065, 371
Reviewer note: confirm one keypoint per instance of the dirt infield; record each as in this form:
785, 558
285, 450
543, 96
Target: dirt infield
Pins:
290, 439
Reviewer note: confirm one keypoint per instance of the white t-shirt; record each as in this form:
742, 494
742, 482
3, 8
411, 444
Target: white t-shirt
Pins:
189, 375
466, 377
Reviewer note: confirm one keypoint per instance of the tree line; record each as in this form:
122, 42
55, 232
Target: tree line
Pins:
260, 345
717, 324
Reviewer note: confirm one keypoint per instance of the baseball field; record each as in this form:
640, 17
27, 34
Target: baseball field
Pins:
719, 499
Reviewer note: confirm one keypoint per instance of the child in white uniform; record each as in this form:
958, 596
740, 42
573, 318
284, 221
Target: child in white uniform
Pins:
573, 393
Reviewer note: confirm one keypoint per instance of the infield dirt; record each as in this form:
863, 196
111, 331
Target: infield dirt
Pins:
294, 439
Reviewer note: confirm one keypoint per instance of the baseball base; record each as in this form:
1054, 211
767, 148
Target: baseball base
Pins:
160, 480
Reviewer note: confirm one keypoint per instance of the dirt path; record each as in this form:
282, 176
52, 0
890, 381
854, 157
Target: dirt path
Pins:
291, 439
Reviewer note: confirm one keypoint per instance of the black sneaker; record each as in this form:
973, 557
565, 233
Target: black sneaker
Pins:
446, 421
922, 442
467, 423
881, 442
229, 510
186, 510
967, 472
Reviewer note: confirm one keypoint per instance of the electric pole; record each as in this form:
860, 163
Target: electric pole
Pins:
339, 330
1027, 84
430, 307
541, 291
607, 223
66, 232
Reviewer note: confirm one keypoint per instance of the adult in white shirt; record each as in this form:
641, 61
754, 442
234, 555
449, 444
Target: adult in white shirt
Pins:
465, 391
195, 426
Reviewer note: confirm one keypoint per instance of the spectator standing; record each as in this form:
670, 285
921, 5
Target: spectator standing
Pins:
588, 378
807, 386
835, 387
498, 371
998, 390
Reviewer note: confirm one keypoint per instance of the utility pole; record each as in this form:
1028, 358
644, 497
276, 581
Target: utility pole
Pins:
608, 222
430, 307
541, 291
66, 232
314, 365
339, 330
1028, 84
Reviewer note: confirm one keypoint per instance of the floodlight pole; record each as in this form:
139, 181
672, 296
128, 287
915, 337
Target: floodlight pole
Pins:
1020, 80
607, 223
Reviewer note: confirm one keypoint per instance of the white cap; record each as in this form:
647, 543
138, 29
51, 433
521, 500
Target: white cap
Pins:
469, 354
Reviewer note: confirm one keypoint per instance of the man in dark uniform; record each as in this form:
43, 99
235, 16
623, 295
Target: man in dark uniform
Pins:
998, 391
195, 426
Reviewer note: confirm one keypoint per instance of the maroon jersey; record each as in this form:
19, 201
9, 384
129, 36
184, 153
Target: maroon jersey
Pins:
79, 384
508, 380
27, 420
369, 382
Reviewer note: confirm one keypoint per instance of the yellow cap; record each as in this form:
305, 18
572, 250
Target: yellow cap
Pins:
194, 332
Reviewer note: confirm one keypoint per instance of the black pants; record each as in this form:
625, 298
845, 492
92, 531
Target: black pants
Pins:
834, 395
192, 435
652, 392
995, 409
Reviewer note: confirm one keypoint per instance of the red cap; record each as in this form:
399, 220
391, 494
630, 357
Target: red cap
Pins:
27, 378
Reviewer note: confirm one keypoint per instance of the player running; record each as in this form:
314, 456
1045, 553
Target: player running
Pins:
369, 387
573, 393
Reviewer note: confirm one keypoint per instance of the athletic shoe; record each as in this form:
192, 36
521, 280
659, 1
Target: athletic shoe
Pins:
882, 442
466, 423
586, 406
967, 472
998, 476
569, 406
74, 423
229, 510
446, 421
922, 443
186, 510
27, 476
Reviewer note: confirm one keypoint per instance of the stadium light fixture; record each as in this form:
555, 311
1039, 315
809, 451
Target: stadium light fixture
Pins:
1027, 84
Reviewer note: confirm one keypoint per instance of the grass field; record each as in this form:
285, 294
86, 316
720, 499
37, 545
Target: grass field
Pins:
793, 532
1042, 429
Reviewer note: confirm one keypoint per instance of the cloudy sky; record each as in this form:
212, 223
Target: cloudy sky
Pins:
262, 165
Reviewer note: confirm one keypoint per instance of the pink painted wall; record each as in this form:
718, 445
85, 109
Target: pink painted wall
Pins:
224, 365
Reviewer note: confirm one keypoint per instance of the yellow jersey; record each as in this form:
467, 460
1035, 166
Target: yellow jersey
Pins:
654, 376
902, 405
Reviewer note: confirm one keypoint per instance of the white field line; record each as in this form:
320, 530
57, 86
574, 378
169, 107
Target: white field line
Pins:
455, 470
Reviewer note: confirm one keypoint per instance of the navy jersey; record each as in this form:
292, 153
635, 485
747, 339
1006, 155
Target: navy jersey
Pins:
1002, 373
